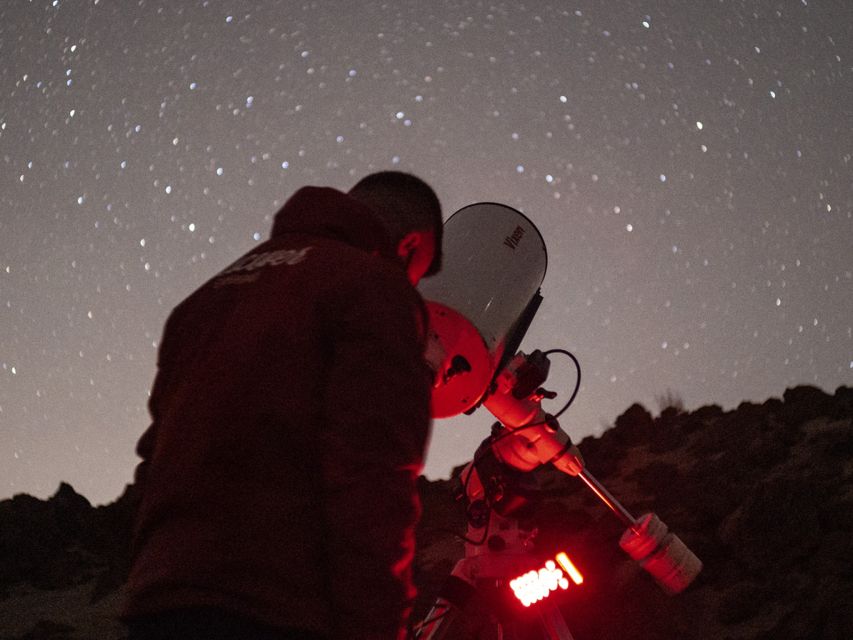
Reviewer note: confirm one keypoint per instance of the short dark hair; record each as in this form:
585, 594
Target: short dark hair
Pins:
403, 203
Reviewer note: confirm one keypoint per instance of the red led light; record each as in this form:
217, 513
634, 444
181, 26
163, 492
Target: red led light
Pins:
535, 585
570, 568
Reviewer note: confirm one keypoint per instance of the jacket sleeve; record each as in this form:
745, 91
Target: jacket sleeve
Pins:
376, 424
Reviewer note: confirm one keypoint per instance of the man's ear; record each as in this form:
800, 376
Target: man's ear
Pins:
409, 243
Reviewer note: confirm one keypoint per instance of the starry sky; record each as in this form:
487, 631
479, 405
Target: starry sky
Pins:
688, 164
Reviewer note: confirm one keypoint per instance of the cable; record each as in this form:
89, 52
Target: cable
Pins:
577, 384
485, 533
465, 493
508, 432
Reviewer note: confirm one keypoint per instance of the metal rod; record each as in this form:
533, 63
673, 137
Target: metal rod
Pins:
607, 498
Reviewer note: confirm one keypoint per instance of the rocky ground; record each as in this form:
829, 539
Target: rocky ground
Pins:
762, 494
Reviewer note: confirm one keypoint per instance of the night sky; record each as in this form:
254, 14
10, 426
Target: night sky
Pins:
688, 164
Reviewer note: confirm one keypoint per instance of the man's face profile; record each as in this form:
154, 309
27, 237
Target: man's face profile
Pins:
417, 250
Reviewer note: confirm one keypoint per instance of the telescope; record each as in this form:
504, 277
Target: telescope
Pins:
480, 307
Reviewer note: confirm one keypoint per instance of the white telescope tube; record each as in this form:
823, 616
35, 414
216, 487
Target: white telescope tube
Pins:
494, 261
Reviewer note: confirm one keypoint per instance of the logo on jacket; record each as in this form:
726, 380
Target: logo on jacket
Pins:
268, 259
241, 271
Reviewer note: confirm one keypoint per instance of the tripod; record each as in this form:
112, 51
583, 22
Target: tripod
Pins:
477, 601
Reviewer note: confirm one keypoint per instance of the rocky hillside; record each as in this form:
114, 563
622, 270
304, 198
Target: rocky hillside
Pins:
762, 494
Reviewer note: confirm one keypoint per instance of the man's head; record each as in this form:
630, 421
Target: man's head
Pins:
410, 212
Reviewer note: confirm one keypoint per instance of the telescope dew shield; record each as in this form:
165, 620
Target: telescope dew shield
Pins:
494, 261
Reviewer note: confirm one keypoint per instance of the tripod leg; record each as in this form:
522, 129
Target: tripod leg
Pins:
453, 623
553, 624
438, 621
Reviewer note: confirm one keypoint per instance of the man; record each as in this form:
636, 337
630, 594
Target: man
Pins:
290, 414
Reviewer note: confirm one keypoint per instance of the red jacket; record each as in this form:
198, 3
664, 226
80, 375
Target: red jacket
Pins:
290, 414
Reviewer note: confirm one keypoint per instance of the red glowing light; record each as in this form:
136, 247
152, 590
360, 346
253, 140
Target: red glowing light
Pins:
570, 568
535, 585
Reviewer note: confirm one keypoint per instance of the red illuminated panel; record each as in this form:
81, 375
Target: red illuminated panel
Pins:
571, 569
535, 585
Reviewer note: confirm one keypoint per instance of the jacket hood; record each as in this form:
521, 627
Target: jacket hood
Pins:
329, 213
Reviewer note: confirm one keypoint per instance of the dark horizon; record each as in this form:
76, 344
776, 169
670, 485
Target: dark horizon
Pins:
665, 404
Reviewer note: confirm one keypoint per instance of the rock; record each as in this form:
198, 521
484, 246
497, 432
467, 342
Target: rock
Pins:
49, 630
634, 425
777, 524
761, 494
843, 405
741, 602
804, 403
